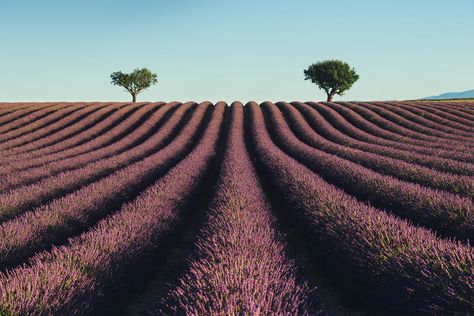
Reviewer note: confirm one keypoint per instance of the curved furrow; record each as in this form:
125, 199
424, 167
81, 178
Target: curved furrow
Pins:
345, 134
97, 259
9, 107
120, 133
32, 115
387, 122
451, 114
461, 115
434, 117
22, 199
461, 185
356, 126
405, 267
79, 122
429, 120
239, 238
6, 109
20, 105
448, 214
17, 112
75, 212
51, 132
92, 127
123, 147
416, 125
377, 125
40, 125
467, 107
365, 124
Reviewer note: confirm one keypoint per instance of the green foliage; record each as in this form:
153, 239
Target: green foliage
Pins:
333, 76
135, 82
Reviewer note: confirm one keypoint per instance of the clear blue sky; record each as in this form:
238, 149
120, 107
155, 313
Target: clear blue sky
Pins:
233, 50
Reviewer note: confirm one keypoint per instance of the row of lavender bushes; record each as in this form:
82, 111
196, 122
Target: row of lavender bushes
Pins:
22, 199
428, 177
389, 126
17, 119
446, 106
239, 266
335, 128
116, 133
70, 280
449, 214
12, 111
21, 237
418, 124
429, 119
56, 122
73, 130
416, 269
462, 112
116, 151
379, 135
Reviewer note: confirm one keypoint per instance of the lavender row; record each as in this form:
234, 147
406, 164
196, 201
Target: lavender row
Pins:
239, 266
116, 133
429, 120
75, 212
411, 265
467, 107
416, 129
73, 125
22, 117
367, 122
358, 127
447, 213
461, 185
39, 124
15, 106
22, 199
125, 146
346, 134
11, 113
69, 280
398, 127
7, 108
441, 118
50, 133
462, 115
92, 127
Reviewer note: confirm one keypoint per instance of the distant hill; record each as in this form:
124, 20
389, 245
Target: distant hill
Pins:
453, 95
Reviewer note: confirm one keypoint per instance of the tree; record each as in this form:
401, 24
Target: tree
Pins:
333, 76
135, 82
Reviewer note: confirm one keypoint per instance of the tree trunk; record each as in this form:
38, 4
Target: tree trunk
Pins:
329, 98
134, 97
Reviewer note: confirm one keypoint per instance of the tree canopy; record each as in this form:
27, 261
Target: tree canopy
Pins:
332, 76
134, 82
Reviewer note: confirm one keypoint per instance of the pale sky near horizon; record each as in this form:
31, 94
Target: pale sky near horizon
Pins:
233, 50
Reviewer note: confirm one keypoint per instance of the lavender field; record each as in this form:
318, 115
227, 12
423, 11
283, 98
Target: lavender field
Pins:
330, 208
